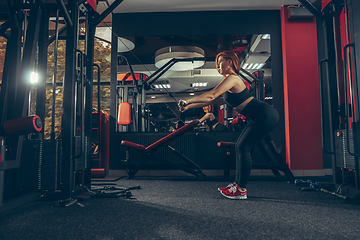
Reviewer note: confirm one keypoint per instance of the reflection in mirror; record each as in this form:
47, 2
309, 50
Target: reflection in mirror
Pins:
160, 111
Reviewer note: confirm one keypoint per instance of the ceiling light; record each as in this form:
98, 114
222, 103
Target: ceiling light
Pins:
158, 86
265, 36
203, 84
152, 96
260, 65
253, 65
125, 45
164, 55
192, 94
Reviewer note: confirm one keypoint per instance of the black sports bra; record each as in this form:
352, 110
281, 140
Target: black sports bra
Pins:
235, 99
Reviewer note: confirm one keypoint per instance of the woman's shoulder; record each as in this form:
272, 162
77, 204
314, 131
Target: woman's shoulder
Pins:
233, 78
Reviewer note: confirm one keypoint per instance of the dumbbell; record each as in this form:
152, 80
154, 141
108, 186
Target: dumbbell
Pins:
315, 185
299, 182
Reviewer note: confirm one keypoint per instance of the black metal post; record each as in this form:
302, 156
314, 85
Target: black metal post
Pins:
28, 62
42, 68
67, 176
311, 8
108, 11
65, 13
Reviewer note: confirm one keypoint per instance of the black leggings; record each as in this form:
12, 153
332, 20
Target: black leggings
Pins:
263, 119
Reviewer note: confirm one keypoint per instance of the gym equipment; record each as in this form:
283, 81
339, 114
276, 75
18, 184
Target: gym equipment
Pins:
111, 191
299, 182
315, 185
264, 146
149, 150
124, 113
21, 126
335, 194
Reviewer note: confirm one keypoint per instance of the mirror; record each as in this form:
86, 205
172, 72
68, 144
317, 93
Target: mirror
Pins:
161, 100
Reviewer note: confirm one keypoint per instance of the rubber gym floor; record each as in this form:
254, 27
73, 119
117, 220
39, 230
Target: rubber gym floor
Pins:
171, 208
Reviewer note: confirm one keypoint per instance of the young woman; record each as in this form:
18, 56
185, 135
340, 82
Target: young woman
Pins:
211, 120
262, 118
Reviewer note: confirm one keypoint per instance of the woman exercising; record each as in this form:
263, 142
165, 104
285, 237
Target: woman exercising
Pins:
262, 118
211, 120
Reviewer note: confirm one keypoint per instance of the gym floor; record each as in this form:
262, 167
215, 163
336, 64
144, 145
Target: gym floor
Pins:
190, 209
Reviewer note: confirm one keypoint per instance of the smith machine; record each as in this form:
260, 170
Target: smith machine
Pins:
59, 168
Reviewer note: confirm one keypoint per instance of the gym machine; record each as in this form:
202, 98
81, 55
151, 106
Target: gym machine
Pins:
132, 92
30, 156
339, 89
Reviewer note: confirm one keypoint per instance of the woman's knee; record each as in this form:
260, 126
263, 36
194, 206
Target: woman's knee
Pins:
242, 148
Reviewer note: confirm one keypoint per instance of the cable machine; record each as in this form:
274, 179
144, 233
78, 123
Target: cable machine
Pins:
339, 89
23, 156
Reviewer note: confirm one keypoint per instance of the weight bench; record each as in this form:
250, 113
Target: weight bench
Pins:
264, 146
149, 150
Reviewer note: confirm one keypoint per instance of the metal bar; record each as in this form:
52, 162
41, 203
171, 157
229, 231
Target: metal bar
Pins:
348, 56
60, 31
347, 107
90, 36
13, 14
9, 56
267, 158
165, 68
2, 169
312, 9
133, 75
65, 13
11, 74
54, 76
67, 176
245, 78
80, 103
42, 68
108, 11
99, 106
329, 110
185, 158
28, 61
279, 159
250, 75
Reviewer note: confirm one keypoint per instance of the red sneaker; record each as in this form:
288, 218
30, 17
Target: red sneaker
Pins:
227, 187
234, 193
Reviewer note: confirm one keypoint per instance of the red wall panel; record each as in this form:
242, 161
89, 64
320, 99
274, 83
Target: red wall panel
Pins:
301, 94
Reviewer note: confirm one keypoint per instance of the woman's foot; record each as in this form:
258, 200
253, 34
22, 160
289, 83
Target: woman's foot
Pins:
227, 187
233, 192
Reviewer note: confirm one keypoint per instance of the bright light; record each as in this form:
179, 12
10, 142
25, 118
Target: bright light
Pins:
192, 94
260, 65
34, 77
203, 84
152, 96
265, 36
253, 65
162, 85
